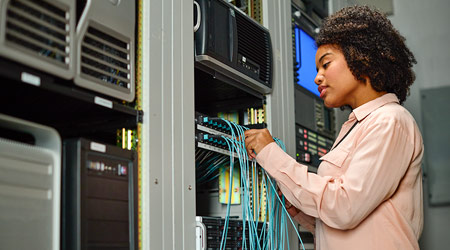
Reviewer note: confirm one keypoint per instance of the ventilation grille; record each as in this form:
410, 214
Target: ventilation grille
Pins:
39, 28
105, 58
254, 44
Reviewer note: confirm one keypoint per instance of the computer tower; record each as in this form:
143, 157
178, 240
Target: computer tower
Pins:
105, 47
99, 196
29, 185
39, 34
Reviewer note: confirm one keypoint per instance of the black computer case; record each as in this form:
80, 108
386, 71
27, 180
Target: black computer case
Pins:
99, 196
229, 43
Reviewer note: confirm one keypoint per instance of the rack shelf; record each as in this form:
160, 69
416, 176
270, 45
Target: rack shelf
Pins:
215, 92
39, 97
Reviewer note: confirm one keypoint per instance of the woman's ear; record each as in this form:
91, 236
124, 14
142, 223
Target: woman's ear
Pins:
365, 80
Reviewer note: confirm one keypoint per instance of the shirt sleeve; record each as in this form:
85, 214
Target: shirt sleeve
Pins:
380, 160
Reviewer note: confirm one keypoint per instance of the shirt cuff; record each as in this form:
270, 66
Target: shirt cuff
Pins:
270, 156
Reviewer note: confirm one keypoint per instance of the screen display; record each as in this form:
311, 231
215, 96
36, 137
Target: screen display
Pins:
305, 49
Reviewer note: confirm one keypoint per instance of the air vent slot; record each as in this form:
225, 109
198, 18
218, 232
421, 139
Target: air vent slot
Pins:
252, 41
105, 58
40, 29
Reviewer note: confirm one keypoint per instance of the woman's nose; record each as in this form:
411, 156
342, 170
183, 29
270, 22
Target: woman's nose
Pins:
319, 79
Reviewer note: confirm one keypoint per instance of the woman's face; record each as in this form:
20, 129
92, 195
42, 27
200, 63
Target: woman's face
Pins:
337, 85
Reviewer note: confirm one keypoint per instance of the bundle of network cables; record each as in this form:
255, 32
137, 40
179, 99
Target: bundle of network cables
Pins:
259, 197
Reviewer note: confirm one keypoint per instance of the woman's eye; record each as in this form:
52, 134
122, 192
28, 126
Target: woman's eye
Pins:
325, 65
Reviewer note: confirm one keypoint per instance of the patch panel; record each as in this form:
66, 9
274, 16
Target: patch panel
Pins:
220, 126
212, 125
213, 142
211, 133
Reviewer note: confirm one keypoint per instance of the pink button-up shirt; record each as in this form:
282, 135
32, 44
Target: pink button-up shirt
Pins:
367, 193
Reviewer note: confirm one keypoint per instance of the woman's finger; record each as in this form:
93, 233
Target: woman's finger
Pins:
250, 132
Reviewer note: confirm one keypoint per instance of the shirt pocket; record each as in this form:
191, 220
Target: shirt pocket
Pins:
336, 157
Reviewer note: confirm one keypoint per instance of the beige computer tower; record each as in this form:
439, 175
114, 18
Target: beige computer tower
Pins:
30, 186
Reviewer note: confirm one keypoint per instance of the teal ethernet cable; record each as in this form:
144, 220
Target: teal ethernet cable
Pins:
231, 148
274, 234
241, 152
206, 168
284, 208
225, 228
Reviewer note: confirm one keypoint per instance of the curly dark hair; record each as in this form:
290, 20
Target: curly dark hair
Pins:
372, 47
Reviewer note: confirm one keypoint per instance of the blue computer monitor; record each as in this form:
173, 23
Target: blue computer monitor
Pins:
305, 49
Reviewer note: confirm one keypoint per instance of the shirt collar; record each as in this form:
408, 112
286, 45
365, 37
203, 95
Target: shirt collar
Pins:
364, 110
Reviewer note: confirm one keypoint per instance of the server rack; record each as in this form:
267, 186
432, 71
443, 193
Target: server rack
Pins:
315, 126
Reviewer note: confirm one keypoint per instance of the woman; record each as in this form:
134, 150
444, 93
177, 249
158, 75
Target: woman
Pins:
367, 193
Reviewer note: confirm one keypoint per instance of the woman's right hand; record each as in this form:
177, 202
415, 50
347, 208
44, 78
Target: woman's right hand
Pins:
306, 221
291, 209
256, 140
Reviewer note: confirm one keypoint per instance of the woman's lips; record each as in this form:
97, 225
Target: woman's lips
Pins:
322, 91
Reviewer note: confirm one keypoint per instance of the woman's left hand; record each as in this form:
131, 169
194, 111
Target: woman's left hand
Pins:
256, 140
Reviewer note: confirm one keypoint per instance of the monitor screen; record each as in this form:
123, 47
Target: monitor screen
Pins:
305, 49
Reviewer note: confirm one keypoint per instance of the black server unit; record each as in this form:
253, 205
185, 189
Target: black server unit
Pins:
99, 196
209, 231
229, 42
